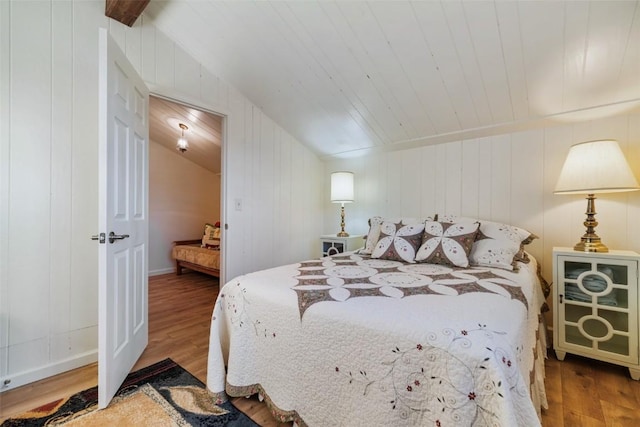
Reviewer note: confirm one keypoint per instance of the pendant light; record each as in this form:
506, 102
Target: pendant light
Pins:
182, 144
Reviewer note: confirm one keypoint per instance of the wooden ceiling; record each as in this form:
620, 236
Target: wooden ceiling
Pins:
348, 76
204, 134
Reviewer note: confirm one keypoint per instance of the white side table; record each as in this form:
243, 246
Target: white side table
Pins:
332, 244
595, 302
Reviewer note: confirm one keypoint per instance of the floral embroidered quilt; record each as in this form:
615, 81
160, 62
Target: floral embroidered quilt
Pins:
349, 340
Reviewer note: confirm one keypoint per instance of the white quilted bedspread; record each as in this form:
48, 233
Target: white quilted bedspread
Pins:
350, 341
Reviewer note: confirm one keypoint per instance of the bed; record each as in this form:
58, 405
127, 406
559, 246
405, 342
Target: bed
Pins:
190, 254
364, 339
202, 254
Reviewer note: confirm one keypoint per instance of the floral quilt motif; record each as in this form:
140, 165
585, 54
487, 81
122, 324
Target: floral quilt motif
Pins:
340, 278
435, 383
235, 302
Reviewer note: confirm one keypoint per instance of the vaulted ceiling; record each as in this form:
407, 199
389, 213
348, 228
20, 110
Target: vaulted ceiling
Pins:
203, 133
347, 76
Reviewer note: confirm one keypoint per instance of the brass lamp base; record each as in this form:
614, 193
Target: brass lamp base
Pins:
590, 242
342, 233
590, 246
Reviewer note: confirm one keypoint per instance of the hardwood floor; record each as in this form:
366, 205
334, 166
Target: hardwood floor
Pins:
584, 392
581, 392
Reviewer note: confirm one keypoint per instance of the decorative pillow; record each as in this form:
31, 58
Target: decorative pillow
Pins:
209, 229
211, 236
452, 218
447, 243
497, 245
374, 230
398, 242
373, 235
521, 255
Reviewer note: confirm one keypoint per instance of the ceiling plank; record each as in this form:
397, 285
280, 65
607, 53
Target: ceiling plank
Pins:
347, 77
125, 11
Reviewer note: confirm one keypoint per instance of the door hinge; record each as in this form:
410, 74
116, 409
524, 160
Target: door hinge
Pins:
101, 238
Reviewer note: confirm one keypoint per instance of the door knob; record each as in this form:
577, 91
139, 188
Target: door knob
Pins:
113, 237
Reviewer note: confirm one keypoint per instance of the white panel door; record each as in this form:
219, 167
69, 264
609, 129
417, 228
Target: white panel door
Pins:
123, 171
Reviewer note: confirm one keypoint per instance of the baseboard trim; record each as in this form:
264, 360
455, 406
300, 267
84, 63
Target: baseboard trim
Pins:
47, 371
162, 271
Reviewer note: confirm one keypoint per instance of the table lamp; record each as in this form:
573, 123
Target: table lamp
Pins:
595, 167
342, 192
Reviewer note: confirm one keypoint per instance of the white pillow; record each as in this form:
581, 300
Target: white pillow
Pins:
373, 235
496, 245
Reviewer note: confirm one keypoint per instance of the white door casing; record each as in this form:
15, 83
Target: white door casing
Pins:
123, 210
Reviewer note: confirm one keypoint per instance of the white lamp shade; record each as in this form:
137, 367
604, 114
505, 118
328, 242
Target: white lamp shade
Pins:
595, 167
342, 187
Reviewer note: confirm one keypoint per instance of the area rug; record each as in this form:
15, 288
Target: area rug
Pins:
163, 394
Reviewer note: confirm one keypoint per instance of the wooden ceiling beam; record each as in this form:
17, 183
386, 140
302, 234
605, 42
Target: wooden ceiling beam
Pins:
125, 11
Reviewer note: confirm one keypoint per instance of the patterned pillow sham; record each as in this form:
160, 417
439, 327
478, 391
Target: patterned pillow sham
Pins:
211, 236
447, 243
497, 245
398, 242
374, 230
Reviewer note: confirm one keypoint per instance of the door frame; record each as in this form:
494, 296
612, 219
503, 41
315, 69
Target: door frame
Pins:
178, 97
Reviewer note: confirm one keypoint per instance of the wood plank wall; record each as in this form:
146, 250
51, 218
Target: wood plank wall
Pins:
507, 178
49, 181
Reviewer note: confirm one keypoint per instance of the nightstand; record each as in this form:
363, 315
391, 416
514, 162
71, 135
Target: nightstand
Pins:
332, 244
595, 303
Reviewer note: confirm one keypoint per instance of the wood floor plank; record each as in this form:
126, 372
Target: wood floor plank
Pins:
576, 419
620, 416
553, 386
581, 392
616, 387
